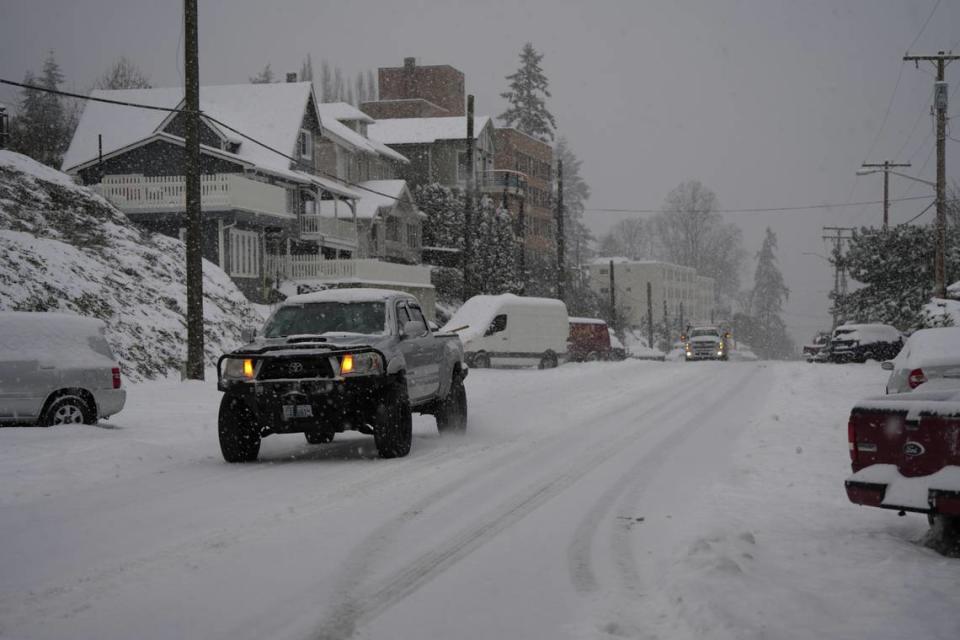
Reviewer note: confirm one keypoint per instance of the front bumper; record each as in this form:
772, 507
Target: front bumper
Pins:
334, 404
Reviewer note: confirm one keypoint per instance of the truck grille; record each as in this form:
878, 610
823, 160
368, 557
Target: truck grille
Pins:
296, 368
704, 349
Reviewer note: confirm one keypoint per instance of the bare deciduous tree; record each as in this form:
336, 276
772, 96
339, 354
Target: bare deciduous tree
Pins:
123, 74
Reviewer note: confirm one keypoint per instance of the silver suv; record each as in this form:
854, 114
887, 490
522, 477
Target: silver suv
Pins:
56, 369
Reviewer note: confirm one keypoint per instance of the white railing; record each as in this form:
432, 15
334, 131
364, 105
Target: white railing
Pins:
314, 225
135, 193
315, 267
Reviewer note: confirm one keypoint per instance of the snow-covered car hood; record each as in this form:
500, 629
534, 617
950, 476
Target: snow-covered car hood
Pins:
332, 339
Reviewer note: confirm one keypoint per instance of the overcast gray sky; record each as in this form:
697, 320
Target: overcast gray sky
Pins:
767, 102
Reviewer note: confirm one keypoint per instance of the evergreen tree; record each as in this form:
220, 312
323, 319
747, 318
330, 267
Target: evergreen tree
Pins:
766, 303
43, 125
123, 74
326, 83
264, 77
361, 89
306, 70
496, 247
371, 86
339, 92
576, 192
896, 267
527, 98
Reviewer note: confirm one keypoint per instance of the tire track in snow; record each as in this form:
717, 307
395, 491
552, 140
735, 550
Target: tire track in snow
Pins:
361, 605
579, 555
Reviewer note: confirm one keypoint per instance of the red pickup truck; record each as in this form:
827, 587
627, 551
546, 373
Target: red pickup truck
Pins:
905, 453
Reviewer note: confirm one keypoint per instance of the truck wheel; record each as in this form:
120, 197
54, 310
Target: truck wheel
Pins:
481, 361
548, 361
452, 412
66, 410
239, 434
318, 437
393, 424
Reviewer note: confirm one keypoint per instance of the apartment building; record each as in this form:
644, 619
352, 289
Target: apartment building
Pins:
675, 290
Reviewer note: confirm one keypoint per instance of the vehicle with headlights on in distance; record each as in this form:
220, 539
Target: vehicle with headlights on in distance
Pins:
338, 360
705, 343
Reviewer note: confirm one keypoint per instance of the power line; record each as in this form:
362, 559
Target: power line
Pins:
759, 209
83, 97
925, 209
923, 28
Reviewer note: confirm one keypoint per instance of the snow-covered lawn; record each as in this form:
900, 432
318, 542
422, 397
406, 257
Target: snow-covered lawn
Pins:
631, 499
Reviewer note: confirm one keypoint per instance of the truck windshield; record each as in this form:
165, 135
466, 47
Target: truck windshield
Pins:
704, 332
324, 317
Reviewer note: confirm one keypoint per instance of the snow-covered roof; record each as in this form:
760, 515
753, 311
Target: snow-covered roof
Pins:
270, 113
388, 192
931, 348
424, 130
343, 111
602, 262
586, 321
337, 130
345, 295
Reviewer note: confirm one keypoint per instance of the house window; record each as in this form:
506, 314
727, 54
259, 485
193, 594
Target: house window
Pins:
393, 229
306, 144
413, 236
244, 254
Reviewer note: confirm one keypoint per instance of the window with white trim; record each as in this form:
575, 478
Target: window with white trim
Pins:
306, 144
244, 254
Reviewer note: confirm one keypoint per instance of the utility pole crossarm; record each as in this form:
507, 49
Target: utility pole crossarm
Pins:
885, 167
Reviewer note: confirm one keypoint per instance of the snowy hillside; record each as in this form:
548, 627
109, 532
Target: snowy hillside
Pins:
67, 249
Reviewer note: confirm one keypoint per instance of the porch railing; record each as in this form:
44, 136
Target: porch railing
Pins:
315, 267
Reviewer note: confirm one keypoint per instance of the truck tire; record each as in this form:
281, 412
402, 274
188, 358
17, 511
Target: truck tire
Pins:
239, 434
452, 412
548, 361
481, 361
393, 423
319, 437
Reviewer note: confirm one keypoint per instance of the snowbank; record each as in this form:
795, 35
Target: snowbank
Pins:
67, 249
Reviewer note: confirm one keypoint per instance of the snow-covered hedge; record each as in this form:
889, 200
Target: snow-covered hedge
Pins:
67, 249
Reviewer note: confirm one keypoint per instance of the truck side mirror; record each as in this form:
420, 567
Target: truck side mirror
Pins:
248, 334
433, 326
887, 366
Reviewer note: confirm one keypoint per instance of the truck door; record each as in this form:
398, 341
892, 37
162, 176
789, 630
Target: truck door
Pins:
429, 352
412, 347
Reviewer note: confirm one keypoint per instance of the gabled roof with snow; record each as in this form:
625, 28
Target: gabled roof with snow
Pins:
270, 113
425, 130
388, 194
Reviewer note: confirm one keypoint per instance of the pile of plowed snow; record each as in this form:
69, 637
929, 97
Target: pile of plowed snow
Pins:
67, 249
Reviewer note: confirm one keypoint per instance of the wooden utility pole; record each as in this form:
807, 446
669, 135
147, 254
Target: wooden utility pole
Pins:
191, 63
613, 298
839, 268
468, 207
885, 166
522, 233
682, 328
650, 315
561, 238
940, 104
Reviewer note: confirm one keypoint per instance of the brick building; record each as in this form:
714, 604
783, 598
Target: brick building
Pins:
413, 91
523, 166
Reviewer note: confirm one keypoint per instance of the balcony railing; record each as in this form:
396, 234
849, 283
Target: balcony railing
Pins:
332, 230
315, 267
513, 182
135, 193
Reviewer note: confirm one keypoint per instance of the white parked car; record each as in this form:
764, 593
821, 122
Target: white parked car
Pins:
509, 330
56, 369
929, 355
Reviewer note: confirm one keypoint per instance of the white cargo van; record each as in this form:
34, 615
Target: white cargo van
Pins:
509, 330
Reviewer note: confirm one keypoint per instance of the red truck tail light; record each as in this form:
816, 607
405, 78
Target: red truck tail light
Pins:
852, 439
916, 378
116, 377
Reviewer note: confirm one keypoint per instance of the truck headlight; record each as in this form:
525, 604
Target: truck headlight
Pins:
361, 364
240, 369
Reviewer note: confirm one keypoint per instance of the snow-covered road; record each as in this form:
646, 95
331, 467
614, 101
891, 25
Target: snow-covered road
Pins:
633, 499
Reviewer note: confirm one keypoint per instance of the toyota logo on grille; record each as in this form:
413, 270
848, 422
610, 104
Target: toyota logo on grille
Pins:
295, 367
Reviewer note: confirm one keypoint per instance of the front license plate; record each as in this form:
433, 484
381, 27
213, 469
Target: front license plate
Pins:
292, 411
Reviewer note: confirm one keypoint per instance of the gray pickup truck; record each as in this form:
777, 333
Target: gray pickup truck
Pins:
337, 360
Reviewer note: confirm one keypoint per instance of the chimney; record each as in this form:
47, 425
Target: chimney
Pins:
409, 64
292, 77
